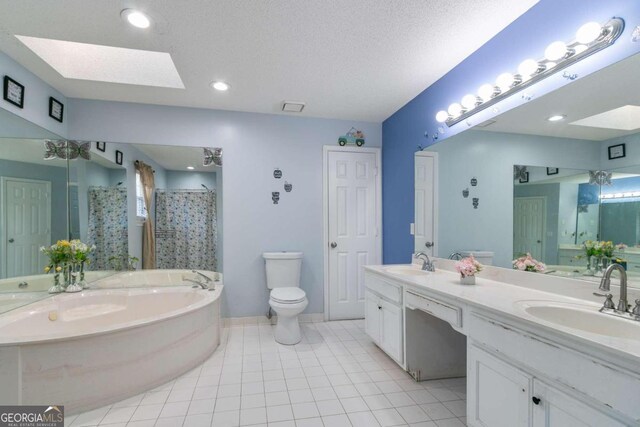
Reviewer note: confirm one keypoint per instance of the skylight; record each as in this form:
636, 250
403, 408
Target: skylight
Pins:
622, 118
109, 64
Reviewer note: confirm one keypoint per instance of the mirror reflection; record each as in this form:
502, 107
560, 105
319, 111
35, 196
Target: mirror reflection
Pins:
566, 192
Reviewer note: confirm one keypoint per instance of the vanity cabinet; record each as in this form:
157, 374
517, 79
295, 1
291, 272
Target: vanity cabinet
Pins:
502, 395
383, 316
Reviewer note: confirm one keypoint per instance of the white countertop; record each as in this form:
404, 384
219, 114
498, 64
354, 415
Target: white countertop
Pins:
495, 292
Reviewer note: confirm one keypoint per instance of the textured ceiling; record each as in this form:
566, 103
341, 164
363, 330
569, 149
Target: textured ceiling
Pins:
349, 59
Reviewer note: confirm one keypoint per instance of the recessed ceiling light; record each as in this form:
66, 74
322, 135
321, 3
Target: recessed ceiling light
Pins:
220, 85
556, 118
190, 168
136, 18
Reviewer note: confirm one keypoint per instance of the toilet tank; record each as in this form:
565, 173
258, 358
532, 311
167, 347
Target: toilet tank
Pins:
283, 269
483, 257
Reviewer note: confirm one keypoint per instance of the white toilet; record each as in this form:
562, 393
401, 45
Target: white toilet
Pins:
286, 298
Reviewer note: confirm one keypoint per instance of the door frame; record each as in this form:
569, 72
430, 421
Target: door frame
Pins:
3, 218
325, 208
436, 206
543, 244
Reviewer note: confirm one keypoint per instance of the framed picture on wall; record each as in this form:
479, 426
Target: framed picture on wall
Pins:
56, 109
119, 157
13, 92
525, 178
101, 146
617, 151
552, 171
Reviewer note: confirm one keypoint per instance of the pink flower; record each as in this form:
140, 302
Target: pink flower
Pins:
468, 266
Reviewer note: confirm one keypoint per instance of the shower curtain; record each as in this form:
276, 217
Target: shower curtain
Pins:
108, 228
186, 230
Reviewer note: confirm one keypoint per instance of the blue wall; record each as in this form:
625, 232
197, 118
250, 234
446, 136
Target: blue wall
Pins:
526, 37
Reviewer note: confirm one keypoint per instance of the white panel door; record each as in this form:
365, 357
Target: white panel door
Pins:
425, 180
27, 225
353, 234
529, 226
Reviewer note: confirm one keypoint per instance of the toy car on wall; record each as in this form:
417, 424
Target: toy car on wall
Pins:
354, 136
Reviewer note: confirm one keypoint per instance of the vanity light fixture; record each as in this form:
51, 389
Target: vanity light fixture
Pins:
628, 195
556, 118
590, 38
136, 18
221, 86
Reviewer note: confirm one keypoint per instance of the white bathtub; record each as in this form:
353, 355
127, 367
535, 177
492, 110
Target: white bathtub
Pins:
105, 345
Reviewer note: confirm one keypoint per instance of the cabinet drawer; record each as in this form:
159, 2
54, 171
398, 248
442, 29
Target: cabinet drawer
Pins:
384, 289
439, 309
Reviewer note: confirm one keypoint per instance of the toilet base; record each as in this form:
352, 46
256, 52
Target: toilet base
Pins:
287, 330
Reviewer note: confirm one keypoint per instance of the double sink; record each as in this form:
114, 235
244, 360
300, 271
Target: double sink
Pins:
581, 317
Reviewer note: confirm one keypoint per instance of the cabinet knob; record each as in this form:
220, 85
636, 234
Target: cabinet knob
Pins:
11, 240
536, 400
379, 307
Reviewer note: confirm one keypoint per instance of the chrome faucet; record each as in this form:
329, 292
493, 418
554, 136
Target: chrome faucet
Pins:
456, 256
204, 276
622, 310
427, 264
196, 282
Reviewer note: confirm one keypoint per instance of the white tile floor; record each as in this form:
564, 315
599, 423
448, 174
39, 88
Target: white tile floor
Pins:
335, 377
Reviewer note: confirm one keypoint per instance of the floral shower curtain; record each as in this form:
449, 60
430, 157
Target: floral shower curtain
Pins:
186, 230
108, 228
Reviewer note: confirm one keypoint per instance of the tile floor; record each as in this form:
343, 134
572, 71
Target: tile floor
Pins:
335, 377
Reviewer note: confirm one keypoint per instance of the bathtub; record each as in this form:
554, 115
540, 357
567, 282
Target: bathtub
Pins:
96, 347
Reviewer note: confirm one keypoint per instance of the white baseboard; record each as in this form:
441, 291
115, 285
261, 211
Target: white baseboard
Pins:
262, 320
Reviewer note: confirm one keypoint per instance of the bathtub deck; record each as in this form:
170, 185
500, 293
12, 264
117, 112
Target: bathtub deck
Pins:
335, 377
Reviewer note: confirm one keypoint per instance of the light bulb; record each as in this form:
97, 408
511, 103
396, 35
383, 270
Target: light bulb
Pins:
455, 109
588, 33
136, 18
505, 81
442, 116
486, 91
556, 50
469, 102
221, 86
528, 67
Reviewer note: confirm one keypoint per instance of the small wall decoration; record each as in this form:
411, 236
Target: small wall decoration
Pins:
277, 173
56, 109
63, 149
101, 146
353, 136
474, 181
465, 193
552, 171
475, 202
13, 92
288, 187
212, 156
519, 172
600, 178
119, 157
275, 196
617, 151
524, 178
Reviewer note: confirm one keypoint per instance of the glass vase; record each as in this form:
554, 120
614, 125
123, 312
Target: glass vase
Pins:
589, 271
598, 266
73, 286
57, 287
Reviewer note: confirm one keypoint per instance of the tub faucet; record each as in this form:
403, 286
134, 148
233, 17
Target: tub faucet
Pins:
427, 264
456, 256
204, 276
196, 282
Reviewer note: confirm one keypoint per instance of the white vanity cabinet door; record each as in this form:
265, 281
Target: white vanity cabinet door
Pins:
499, 395
372, 316
391, 330
556, 409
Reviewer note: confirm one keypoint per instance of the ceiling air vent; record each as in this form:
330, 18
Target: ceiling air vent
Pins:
485, 123
292, 107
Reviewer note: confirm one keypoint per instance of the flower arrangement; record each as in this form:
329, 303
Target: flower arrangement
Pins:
621, 247
64, 257
468, 266
528, 263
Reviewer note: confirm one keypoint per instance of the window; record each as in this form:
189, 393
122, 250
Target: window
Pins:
141, 210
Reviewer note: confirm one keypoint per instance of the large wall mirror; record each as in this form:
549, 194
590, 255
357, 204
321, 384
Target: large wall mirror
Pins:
132, 206
558, 178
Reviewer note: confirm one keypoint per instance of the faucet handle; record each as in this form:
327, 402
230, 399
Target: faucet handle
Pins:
608, 302
636, 309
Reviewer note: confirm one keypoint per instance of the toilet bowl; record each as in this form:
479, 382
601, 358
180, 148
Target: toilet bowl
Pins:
286, 298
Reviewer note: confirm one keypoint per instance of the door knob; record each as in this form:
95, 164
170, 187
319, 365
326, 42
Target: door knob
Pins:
11, 240
429, 244
539, 241
333, 245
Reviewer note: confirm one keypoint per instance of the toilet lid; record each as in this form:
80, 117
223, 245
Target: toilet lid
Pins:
288, 295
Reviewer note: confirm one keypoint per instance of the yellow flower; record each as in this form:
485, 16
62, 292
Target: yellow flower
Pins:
63, 243
46, 269
58, 269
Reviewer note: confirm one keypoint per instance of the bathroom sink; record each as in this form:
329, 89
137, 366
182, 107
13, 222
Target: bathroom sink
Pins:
406, 271
585, 318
